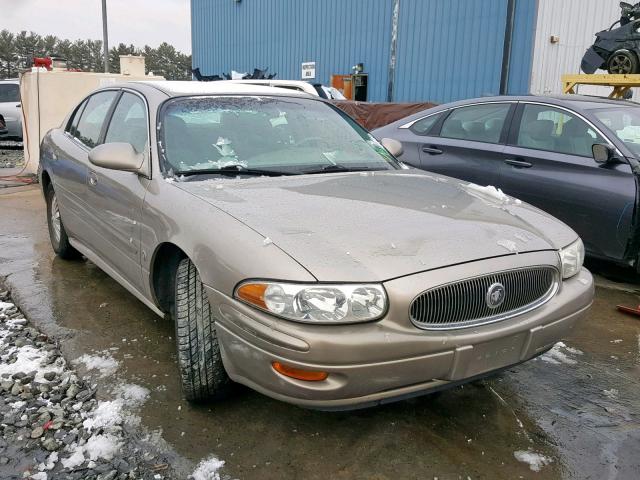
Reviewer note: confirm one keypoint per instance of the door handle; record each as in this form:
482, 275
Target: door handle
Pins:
18, 105
518, 163
93, 179
432, 150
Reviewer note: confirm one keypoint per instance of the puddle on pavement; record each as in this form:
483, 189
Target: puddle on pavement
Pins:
555, 410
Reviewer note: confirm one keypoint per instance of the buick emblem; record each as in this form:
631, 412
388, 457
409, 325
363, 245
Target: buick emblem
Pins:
495, 295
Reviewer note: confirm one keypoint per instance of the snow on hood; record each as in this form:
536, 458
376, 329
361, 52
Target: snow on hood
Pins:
382, 225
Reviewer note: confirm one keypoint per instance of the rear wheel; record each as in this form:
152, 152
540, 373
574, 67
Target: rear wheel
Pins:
201, 370
57, 233
622, 62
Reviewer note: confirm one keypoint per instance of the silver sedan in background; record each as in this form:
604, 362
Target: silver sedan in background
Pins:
295, 254
10, 110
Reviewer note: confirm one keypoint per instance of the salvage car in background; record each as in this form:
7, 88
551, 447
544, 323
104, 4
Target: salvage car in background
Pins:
293, 251
315, 89
540, 149
617, 49
10, 110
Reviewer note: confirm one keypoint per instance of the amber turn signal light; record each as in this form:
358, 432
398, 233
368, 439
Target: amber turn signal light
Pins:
253, 293
298, 373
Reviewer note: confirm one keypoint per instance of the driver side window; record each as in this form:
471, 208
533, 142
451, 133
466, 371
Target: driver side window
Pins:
91, 121
129, 123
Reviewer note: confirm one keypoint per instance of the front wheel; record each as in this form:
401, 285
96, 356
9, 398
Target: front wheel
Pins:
201, 370
57, 232
623, 62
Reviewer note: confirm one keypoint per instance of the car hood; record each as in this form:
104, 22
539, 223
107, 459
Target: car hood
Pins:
366, 227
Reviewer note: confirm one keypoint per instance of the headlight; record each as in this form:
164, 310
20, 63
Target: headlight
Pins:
316, 303
571, 258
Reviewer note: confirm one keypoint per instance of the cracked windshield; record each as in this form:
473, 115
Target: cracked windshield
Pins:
275, 136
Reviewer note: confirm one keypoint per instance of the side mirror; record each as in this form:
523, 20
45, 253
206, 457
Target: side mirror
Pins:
602, 153
116, 156
393, 146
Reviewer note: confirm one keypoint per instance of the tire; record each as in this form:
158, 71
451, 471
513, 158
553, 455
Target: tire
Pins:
201, 370
622, 62
57, 233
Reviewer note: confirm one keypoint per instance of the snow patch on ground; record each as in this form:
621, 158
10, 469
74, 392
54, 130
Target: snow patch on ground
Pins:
560, 353
51, 461
535, 460
76, 458
133, 393
102, 446
208, 469
612, 394
103, 362
25, 358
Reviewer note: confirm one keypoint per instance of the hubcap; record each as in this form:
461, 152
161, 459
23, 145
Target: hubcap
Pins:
55, 219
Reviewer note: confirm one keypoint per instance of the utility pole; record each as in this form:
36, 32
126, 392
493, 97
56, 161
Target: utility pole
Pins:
105, 36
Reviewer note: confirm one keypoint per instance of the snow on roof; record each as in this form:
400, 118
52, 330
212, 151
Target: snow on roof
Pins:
200, 88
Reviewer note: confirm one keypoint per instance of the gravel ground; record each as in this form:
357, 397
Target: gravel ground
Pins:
11, 154
53, 427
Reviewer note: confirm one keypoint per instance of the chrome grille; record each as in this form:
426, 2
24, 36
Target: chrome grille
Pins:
463, 303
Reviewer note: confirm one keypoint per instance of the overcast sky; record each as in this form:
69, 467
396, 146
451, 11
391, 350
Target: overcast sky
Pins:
140, 22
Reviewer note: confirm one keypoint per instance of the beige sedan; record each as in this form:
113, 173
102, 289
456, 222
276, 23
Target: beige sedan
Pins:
295, 253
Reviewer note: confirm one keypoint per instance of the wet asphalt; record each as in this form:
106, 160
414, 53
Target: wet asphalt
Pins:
585, 416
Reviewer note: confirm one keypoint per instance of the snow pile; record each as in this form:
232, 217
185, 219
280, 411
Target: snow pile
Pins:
208, 469
559, 354
509, 245
107, 414
612, 394
102, 446
103, 362
490, 193
535, 460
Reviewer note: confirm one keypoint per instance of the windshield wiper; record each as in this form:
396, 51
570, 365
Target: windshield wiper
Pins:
233, 170
337, 168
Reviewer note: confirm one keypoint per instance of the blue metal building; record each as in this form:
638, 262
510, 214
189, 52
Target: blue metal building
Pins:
413, 50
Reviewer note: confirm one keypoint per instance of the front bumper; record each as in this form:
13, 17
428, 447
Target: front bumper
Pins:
391, 359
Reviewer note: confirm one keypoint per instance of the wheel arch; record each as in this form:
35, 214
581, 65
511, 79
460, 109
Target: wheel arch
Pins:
45, 180
164, 264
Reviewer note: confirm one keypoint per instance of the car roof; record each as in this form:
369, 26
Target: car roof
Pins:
182, 88
574, 100
10, 80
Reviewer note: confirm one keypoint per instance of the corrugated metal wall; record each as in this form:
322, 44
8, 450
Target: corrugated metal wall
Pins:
281, 34
575, 22
522, 47
446, 49
451, 49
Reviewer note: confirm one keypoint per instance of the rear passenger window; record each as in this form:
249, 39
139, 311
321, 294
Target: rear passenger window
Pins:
129, 123
422, 126
92, 119
9, 92
480, 123
555, 130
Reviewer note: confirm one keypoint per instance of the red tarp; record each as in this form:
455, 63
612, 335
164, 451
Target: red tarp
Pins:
374, 115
